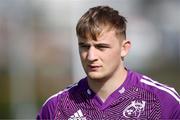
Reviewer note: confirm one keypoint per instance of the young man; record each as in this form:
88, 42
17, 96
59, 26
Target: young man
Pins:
110, 91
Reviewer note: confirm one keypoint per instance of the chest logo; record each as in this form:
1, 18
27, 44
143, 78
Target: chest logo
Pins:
134, 110
77, 116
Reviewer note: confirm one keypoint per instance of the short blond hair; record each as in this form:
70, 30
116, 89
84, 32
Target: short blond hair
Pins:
91, 24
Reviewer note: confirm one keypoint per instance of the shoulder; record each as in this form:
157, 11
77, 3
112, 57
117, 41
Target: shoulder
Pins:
47, 110
153, 86
168, 97
49, 107
161, 90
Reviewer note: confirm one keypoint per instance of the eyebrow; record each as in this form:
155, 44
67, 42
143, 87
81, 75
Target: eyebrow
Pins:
82, 43
96, 44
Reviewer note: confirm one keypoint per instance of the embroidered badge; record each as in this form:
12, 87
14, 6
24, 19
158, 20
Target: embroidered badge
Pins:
134, 110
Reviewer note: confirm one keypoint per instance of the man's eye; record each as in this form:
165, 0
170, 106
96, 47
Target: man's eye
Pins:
101, 47
84, 46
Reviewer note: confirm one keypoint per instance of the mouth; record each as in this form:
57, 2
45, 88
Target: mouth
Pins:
93, 67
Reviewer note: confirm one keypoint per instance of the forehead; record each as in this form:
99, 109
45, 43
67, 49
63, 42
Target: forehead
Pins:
104, 37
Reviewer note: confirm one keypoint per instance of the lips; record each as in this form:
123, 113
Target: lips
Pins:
93, 67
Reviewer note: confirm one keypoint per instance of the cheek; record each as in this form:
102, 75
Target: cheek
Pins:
83, 57
114, 55
113, 59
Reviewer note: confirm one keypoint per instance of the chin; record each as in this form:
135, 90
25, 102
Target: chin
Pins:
95, 76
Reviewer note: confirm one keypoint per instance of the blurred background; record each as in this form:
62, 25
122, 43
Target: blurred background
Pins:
39, 52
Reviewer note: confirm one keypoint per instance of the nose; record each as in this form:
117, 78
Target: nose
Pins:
92, 54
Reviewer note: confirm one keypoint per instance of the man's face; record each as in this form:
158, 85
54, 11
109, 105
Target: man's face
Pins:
101, 58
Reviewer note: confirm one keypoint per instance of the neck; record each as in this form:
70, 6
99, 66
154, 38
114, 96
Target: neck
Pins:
104, 88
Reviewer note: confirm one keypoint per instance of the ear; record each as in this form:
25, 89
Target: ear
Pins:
125, 46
